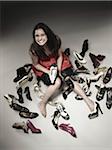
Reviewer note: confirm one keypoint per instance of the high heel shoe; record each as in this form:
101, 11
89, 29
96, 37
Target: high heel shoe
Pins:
55, 119
19, 92
101, 92
62, 111
32, 127
20, 125
27, 92
68, 129
96, 112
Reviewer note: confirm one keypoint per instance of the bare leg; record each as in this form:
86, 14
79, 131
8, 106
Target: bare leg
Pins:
78, 90
49, 92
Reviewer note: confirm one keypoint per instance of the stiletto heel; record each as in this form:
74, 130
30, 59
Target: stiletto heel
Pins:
32, 127
96, 113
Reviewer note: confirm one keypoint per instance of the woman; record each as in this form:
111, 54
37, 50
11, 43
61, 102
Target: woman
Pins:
45, 51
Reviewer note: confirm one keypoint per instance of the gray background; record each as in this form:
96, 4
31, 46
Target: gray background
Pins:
73, 22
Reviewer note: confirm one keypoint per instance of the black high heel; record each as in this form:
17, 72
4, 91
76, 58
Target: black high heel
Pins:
96, 113
19, 92
27, 92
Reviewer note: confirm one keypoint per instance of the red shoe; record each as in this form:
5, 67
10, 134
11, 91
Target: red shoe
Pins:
68, 129
32, 127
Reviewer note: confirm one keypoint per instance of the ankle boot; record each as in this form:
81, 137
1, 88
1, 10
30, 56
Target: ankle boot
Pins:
27, 92
32, 127
20, 125
19, 92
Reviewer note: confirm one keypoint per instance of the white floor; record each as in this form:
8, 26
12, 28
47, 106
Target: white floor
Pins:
93, 134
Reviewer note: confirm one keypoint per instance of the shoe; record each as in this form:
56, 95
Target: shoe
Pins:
21, 72
62, 111
53, 73
70, 86
32, 127
68, 129
38, 90
19, 92
27, 92
78, 79
67, 52
100, 57
100, 69
79, 58
109, 98
67, 92
18, 107
84, 48
77, 97
108, 76
10, 99
101, 92
86, 89
82, 69
55, 119
94, 60
30, 115
96, 112
21, 125
96, 77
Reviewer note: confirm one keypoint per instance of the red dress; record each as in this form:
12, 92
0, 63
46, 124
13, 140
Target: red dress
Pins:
47, 62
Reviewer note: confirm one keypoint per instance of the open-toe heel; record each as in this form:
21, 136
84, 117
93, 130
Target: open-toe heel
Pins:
96, 112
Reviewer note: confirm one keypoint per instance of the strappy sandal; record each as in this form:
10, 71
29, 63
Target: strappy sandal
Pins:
101, 92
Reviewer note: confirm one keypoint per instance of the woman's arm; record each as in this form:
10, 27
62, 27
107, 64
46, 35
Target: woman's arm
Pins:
59, 60
37, 65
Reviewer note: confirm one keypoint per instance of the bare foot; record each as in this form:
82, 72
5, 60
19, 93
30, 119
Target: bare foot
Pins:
42, 107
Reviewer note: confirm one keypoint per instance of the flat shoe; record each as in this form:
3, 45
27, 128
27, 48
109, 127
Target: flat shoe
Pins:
30, 115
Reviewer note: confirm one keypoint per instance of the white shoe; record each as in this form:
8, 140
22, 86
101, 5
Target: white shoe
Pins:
62, 111
53, 73
38, 90
10, 99
79, 57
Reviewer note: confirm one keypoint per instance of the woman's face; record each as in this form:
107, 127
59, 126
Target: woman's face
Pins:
40, 37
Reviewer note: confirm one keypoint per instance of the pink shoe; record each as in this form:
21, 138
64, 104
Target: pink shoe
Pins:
68, 129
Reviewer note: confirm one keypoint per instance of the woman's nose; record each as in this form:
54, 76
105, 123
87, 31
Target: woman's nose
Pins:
40, 38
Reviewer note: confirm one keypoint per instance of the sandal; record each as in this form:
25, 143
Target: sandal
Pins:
101, 92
